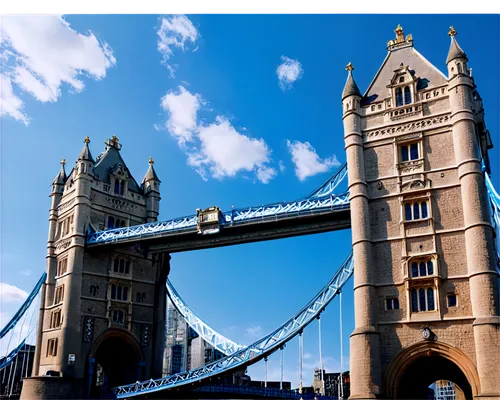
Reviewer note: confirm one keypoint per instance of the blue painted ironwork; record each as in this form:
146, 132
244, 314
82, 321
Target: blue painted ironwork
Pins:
321, 200
215, 339
5, 361
254, 352
495, 208
19, 314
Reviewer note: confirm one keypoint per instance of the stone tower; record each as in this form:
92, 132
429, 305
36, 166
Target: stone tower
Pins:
425, 278
103, 310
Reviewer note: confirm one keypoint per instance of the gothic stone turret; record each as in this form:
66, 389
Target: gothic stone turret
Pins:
99, 306
425, 280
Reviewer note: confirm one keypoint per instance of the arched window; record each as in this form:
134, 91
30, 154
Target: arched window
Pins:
115, 265
421, 300
111, 222
122, 266
459, 68
399, 97
127, 267
430, 299
407, 95
117, 186
416, 211
122, 188
119, 292
420, 268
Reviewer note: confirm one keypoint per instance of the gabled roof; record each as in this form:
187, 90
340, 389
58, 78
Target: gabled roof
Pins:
429, 76
107, 161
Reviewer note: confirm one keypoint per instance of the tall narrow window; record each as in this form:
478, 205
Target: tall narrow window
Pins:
52, 347
127, 267
407, 95
430, 268
414, 270
111, 222
399, 97
430, 299
413, 151
414, 300
404, 153
423, 269
59, 294
424, 209
122, 188
421, 299
459, 68
416, 211
408, 215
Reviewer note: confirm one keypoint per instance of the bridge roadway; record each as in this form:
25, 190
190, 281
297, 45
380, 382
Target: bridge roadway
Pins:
258, 229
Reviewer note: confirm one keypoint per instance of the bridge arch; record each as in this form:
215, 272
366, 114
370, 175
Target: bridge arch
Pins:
115, 358
419, 365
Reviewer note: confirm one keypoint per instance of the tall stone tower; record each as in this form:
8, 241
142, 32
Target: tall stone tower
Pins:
425, 277
102, 315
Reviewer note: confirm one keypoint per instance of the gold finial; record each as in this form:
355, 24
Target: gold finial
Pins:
398, 29
400, 37
151, 162
114, 139
452, 31
349, 67
63, 161
86, 140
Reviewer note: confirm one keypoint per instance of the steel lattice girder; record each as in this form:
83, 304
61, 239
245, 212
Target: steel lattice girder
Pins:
253, 353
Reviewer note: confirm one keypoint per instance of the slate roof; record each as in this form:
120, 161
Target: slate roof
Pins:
151, 174
455, 51
107, 162
350, 87
429, 76
61, 177
85, 153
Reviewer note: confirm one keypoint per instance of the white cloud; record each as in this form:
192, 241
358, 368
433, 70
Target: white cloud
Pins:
281, 166
306, 160
175, 32
11, 294
254, 331
26, 272
216, 149
41, 53
288, 72
182, 107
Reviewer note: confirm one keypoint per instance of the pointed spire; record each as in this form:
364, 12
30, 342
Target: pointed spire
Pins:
350, 88
455, 50
151, 174
85, 153
61, 176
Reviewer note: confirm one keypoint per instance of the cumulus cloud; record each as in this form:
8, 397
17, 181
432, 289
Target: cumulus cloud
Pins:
306, 160
41, 53
214, 149
175, 32
12, 294
288, 72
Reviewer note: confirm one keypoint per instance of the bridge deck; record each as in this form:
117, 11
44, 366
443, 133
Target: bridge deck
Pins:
251, 231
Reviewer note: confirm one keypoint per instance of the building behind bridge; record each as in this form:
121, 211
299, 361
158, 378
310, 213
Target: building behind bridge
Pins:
184, 348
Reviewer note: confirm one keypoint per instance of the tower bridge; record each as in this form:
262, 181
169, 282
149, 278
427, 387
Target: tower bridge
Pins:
424, 218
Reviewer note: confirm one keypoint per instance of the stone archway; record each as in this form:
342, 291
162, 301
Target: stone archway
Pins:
416, 367
117, 358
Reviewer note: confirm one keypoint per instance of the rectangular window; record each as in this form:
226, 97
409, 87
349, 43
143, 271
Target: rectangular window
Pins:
55, 319
410, 151
392, 303
422, 299
452, 300
62, 266
52, 347
59, 294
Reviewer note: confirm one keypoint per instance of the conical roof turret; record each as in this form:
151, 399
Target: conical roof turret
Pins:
151, 174
85, 153
60, 179
455, 50
350, 87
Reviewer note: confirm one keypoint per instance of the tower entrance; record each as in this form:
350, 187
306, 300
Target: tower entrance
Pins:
423, 372
115, 360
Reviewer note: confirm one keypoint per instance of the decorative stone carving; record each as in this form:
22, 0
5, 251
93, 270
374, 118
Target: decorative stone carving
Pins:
63, 244
88, 334
413, 185
426, 123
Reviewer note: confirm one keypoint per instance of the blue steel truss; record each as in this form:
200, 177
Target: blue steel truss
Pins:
495, 208
254, 352
321, 200
19, 314
215, 339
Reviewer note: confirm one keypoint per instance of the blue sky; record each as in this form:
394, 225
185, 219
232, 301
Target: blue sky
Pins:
236, 110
